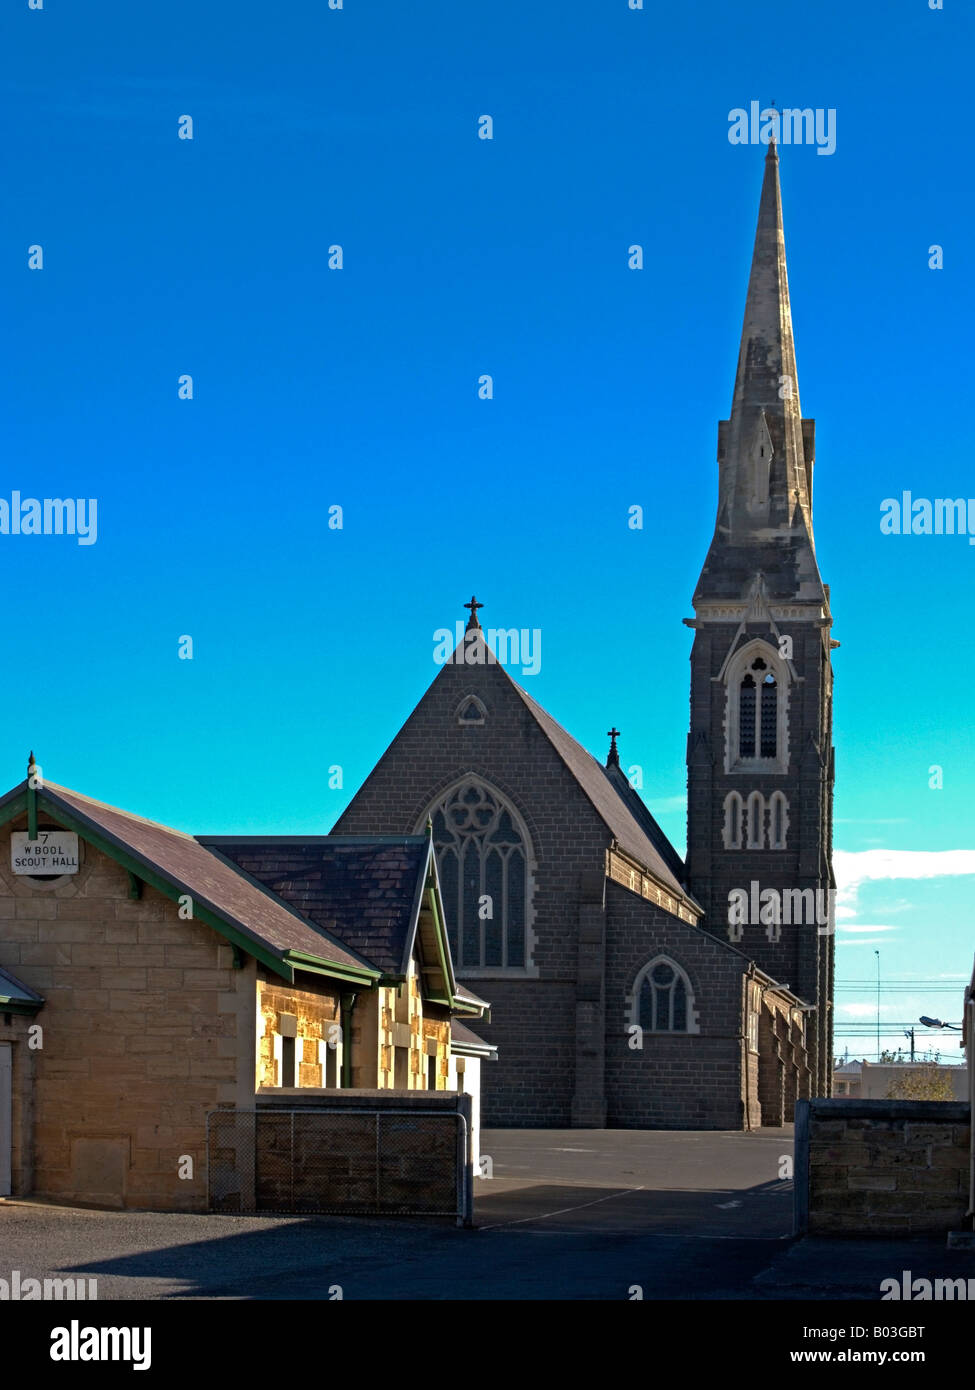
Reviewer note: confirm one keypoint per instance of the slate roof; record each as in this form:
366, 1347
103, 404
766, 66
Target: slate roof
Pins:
211, 882
642, 815
462, 1036
363, 890
633, 838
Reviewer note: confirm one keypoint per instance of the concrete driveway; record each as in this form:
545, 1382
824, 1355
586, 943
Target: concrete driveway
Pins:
571, 1214
574, 1214
701, 1184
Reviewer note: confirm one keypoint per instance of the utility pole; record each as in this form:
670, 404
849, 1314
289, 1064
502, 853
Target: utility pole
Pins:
877, 954
909, 1033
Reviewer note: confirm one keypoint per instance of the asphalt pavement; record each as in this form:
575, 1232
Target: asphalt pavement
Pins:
572, 1214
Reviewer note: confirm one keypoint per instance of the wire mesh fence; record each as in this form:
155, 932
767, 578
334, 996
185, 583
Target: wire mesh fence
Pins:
353, 1162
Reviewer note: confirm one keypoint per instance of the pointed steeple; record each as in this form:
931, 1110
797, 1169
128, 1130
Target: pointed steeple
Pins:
765, 481
765, 450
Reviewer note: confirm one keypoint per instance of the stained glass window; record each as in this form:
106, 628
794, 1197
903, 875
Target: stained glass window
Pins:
483, 860
663, 1000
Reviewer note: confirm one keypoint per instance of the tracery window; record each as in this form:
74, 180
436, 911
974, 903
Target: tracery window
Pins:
483, 854
756, 719
758, 712
664, 1002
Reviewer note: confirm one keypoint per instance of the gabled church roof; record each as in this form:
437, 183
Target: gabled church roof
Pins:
633, 838
643, 816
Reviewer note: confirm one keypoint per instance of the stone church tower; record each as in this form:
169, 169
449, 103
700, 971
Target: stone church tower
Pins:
759, 752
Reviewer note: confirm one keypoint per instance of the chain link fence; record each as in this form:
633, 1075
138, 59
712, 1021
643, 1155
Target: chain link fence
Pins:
351, 1162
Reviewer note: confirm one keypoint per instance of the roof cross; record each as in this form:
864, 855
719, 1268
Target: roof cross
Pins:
473, 620
614, 758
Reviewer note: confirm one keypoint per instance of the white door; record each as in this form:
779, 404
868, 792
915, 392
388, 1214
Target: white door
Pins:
6, 1135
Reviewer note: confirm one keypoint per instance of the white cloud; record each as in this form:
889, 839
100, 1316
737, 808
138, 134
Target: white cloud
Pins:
858, 926
862, 941
855, 867
865, 1010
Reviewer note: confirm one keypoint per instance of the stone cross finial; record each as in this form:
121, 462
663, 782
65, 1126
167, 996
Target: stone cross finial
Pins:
473, 619
613, 760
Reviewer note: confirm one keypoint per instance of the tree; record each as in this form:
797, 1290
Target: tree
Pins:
926, 1081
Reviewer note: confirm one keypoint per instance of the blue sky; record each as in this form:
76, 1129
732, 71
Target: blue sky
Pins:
316, 387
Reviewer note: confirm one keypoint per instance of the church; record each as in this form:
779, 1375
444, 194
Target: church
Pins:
625, 992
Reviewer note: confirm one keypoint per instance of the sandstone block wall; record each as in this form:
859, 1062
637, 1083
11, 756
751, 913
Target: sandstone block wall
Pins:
881, 1167
140, 1037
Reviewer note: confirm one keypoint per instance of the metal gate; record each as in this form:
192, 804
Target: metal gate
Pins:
360, 1161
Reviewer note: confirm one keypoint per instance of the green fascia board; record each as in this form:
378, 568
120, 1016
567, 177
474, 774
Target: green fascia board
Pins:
284, 965
441, 929
451, 1001
20, 1006
134, 864
317, 965
14, 806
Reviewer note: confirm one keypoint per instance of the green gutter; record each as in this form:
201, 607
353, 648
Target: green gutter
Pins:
20, 1006
173, 891
318, 965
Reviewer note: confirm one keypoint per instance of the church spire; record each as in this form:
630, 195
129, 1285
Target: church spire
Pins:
765, 449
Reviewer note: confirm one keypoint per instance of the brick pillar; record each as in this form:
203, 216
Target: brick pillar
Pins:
589, 1095
771, 1071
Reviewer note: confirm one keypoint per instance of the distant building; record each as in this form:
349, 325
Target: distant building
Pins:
846, 1080
876, 1078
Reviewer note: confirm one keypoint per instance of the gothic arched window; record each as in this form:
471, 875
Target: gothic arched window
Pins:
484, 857
756, 720
746, 717
778, 820
770, 717
732, 820
663, 1001
471, 711
756, 821
758, 712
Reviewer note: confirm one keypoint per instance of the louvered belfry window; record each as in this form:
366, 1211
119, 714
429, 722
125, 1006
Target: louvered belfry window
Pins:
483, 861
758, 713
746, 717
770, 717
